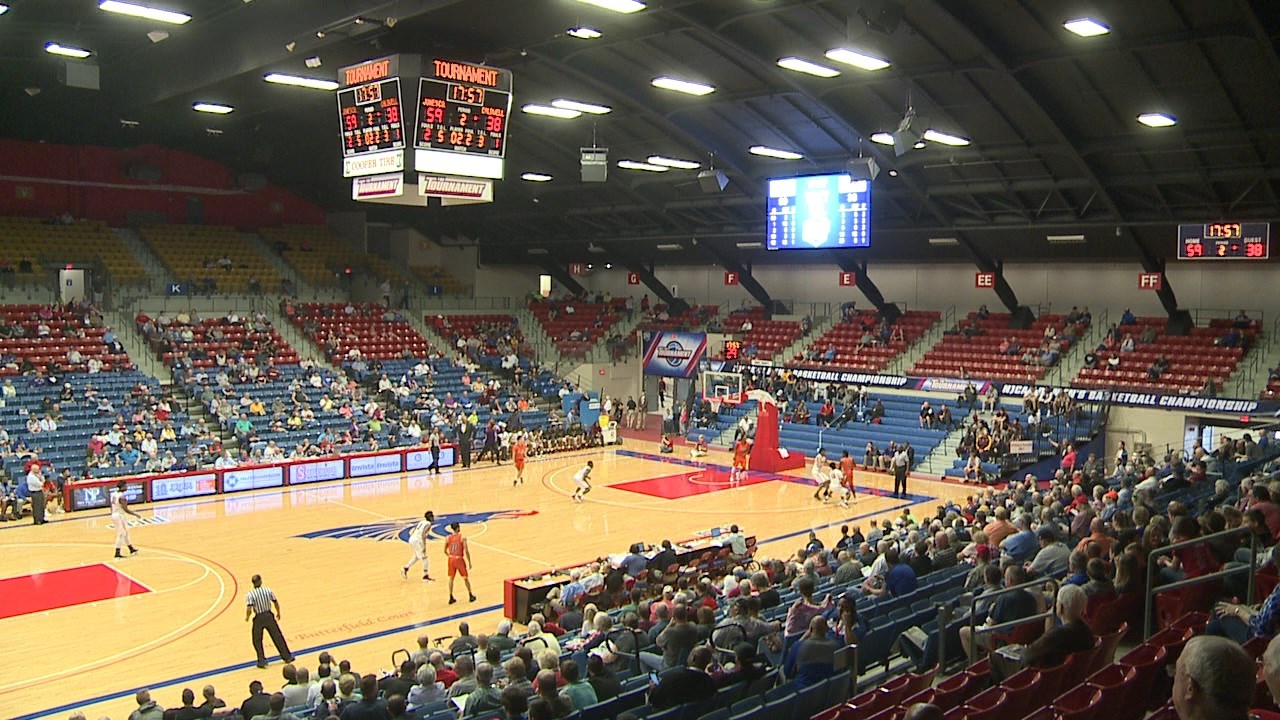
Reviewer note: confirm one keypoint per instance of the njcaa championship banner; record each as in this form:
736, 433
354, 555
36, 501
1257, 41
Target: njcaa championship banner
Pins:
674, 354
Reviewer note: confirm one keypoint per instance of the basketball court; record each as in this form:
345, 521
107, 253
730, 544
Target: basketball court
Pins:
172, 616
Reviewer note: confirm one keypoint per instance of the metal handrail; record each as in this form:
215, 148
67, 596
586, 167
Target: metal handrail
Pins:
1148, 605
973, 610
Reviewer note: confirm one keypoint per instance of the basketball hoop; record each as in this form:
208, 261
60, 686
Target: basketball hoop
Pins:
715, 401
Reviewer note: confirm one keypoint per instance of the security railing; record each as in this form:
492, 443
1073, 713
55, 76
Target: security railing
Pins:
1149, 601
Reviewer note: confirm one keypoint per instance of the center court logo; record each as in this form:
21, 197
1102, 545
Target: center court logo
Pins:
399, 529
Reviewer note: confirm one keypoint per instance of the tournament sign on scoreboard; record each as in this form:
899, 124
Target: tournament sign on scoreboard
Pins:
457, 122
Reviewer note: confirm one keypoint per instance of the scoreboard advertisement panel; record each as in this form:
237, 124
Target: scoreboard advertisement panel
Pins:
1225, 241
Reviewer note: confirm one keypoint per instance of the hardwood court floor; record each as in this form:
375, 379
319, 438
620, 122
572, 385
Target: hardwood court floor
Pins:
173, 615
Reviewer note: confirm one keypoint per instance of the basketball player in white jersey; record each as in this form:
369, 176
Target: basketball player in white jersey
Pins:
819, 473
120, 511
583, 480
418, 543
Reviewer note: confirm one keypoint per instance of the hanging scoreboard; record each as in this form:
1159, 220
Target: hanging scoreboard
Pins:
462, 117
1225, 241
447, 139
371, 116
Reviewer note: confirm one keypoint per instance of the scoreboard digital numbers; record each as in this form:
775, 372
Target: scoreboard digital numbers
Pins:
1225, 241
818, 211
462, 109
732, 349
371, 114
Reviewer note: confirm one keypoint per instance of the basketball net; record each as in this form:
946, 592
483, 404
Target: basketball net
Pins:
715, 401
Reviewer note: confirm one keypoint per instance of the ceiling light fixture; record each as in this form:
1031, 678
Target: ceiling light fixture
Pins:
3, 8
583, 32
673, 162
882, 138
804, 66
647, 167
581, 107
684, 86
1065, 239
1157, 120
549, 111
893, 173
313, 62
767, 151
749, 245
943, 241
212, 108
54, 48
669, 247
536, 251
156, 36
618, 6
535, 177
298, 81
1086, 27
857, 59
945, 138
142, 11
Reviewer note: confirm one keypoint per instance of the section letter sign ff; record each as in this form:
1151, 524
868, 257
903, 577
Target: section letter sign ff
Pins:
1150, 281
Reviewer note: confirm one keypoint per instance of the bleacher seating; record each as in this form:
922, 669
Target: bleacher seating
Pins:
979, 356
243, 338
488, 329
766, 337
439, 275
845, 336
1059, 430
365, 329
67, 330
86, 241
1194, 359
694, 318
65, 448
591, 322
320, 256
900, 424
192, 252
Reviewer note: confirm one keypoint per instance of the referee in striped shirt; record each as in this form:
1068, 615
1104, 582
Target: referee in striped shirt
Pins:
258, 605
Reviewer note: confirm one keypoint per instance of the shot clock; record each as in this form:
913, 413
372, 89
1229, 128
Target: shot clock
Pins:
1225, 241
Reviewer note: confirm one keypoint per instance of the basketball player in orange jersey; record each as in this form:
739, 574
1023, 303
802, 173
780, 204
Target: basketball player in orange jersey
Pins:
741, 450
846, 479
519, 452
459, 552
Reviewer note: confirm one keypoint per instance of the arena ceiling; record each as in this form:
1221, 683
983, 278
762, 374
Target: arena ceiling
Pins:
1055, 144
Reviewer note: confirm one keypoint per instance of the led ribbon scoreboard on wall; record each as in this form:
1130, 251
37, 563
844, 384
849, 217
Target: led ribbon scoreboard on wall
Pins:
448, 142
1225, 241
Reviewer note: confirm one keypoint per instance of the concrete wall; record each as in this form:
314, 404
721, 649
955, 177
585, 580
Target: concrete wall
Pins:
1136, 425
1226, 286
617, 381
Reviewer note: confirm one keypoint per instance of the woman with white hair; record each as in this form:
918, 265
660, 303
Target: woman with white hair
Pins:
426, 690
1070, 636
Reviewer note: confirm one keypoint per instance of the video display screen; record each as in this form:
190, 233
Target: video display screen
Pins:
818, 212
